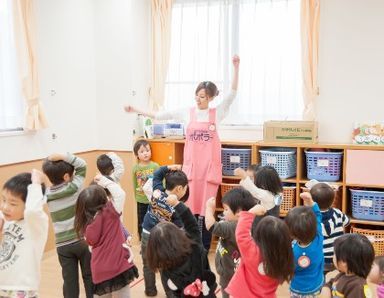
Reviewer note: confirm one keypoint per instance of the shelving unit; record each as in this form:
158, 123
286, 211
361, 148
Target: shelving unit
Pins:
362, 167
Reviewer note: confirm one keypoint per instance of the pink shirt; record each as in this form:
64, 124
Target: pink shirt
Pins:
249, 279
109, 258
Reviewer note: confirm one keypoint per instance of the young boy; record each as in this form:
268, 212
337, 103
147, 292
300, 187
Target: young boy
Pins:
141, 172
304, 223
227, 252
67, 173
24, 234
176, 183
333, 220
111, 165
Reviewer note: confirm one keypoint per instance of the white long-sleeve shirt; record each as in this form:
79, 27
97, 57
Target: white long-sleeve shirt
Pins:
118, 166
267, 199
23, 245
117, 193
183, 115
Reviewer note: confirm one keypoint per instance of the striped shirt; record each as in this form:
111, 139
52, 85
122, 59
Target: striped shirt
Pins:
61, 201
333, 223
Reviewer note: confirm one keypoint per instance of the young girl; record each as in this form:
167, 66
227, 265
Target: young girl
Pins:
24, 234
180, 255
99, 222
266, 187
202, 150
141, 173
354, 255
376, 276
266, 255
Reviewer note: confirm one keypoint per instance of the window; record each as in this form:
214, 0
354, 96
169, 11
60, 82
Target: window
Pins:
11, 101
266, 35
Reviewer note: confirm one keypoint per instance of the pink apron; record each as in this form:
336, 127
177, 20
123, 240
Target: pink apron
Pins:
202, 161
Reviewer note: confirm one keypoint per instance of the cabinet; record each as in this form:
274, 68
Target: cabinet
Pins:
361, 167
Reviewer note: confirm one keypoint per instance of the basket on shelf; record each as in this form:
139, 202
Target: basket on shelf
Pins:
338, 197
367, 204
225, 187
375, 236
282, 159
323, 166
289, 199
233, 158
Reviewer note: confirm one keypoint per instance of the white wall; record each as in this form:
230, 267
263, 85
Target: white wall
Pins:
66, 57
351, 66
122, 65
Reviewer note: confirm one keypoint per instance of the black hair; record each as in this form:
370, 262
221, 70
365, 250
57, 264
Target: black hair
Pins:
55, 170
18, 185
104, 165
323, 194
209, 87
357, 252
267, 178
176, 178
302, 224
138, 144
239, 199
271, 235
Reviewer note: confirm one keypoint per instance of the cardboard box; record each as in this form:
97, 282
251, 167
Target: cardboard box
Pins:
291, 131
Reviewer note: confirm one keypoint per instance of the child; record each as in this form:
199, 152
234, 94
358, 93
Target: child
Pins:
25, 233
266, 187
376, 276
304, 223
354, 256
98, 220
266, 255
227, 252
176, 183
333, 220
67, 173
111, 165
141, 172
181, 256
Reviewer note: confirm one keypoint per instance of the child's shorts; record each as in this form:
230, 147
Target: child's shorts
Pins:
18, 294
314, 295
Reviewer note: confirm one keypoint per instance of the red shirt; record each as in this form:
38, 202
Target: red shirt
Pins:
109, 258
249, 279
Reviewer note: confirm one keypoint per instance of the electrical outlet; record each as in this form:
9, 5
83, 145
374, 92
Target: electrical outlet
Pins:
53, 92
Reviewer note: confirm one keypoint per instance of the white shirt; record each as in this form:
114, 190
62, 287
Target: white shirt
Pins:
183, 115
23, 245
267, 199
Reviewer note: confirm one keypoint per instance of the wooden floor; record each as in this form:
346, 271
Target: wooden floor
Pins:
51, 281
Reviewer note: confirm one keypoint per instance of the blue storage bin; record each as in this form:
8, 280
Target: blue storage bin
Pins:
367, 204
323, 166
282, 159
233, 158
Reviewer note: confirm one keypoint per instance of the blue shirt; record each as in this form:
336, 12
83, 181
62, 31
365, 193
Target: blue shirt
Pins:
309, 262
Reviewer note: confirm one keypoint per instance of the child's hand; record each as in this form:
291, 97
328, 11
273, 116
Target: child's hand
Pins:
307, 198
174, 167
240, 172
129, 109
258, 210
56, 157
172, 200
236, 61
37, 177
211, 204
97, 178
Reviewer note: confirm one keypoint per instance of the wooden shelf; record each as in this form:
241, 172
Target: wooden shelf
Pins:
367, 222
339, 183
365, 185
289, 180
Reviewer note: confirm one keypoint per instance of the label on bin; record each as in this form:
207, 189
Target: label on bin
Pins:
234, 159
271, 160
365, 203
322, 162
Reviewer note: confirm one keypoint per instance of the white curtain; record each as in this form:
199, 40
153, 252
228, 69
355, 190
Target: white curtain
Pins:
265, 34
11, 100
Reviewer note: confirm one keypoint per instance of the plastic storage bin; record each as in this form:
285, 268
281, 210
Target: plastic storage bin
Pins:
367, 204
375, 236
289, 199
225, 187
323, 166
282, 159
233, 158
